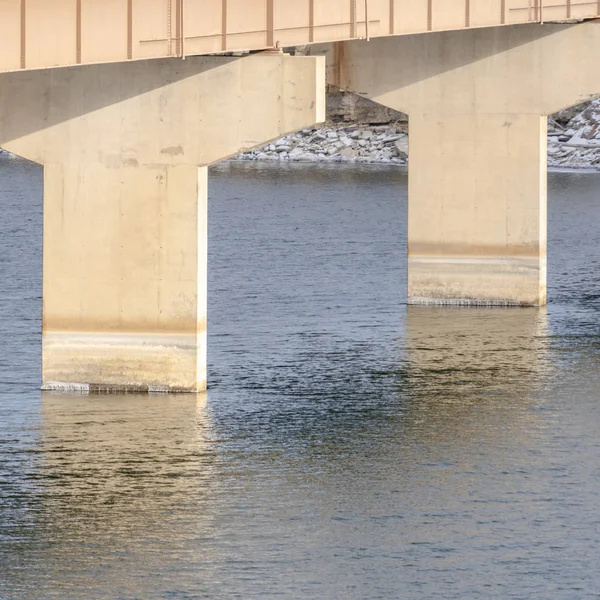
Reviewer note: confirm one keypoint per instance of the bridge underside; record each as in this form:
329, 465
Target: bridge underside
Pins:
125, 149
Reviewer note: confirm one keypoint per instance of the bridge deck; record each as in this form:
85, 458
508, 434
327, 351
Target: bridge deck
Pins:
38, 34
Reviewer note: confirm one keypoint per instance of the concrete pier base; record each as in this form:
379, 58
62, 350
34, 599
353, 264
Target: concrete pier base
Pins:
125, 263
477, 210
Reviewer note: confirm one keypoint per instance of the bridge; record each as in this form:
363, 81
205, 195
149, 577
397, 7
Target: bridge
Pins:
36, 34
126, 102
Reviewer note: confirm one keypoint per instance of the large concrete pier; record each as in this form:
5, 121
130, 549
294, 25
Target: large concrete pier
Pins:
126, 145
125, 149
477, 103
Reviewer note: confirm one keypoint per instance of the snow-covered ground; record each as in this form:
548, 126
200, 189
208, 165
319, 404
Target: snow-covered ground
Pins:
576, 143
338, 143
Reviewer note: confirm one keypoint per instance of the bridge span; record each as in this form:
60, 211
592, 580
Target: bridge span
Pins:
36, 34
126, 130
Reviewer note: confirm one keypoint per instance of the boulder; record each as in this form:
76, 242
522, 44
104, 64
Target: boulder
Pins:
307, 157
348, 153
402, 146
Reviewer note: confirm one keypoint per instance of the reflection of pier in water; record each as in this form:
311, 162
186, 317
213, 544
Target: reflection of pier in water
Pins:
135, 493
464, 354
472, 375
114, 475
460, 439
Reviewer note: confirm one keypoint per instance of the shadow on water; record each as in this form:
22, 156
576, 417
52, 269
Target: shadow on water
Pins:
457, 375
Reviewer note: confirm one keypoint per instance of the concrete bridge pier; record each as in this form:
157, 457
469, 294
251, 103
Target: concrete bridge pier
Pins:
125, 149
125, 277
477, 102
477, 210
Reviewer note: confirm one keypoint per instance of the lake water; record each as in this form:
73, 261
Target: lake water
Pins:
349, 446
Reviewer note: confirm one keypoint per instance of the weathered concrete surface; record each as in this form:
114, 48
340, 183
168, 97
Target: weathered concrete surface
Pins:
347, 107
525, 69
476, 102
125, 258
169, 112
477, 210
37, 34
125, 149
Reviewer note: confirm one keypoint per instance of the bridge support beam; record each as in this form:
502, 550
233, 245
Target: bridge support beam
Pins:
477, 102
477, 210
125, 260
125, 149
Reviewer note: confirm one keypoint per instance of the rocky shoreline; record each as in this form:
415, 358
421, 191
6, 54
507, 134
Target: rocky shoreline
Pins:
386, 144
573, 142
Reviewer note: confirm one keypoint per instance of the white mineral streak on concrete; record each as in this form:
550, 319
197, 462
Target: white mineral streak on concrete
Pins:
59, 386
453, 280
423, 301
509, 262
140, 359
